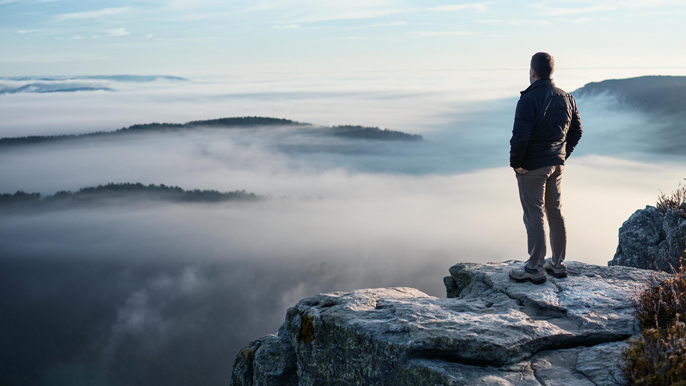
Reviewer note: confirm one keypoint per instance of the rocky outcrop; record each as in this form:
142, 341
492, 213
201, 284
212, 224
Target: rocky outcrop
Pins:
489, 331
651, 241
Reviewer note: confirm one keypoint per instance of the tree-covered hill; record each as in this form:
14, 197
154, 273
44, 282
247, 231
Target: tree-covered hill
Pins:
120, 191
659, 98
117, 78
372, 133
355, 132
234, 122
651, 94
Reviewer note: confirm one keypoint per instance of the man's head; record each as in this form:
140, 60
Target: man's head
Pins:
542, 66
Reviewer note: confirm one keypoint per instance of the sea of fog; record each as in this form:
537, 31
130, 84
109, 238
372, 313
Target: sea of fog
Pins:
166, 293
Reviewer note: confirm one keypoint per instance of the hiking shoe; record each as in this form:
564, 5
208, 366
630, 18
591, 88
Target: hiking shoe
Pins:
558, 272
526, 273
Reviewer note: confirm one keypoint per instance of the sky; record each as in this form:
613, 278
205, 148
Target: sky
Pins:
201, 37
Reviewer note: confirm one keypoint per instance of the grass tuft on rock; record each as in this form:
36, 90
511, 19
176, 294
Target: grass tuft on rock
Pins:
674, 201
658, 355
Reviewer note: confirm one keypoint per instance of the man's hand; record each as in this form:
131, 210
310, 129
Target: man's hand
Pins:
521, 170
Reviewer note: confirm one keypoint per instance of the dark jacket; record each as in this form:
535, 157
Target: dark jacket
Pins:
547, 127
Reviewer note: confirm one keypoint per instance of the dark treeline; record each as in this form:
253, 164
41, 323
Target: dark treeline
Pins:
22, 200
219, 123
118, 78
155, 127
356, 132
372, 133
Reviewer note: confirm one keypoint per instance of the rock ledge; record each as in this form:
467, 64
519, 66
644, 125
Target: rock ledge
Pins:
489, 331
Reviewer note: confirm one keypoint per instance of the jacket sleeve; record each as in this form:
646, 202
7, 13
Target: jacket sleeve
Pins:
575, 130
521, 132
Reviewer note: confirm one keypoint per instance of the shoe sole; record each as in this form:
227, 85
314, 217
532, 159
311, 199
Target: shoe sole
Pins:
535, 281
561, 275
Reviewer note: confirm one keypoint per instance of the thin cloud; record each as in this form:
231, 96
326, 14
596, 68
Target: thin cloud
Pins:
312, 11
116, 31
513, 22
190, 4
196, 16
606, 6
53, 58
369, 14
422, 34
545, 10
379, 25
481, 7
26, 2
578, 20
91, 14
39, 32
388, 24
287, 26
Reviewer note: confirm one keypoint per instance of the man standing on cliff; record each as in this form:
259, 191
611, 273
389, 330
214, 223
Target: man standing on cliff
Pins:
546, 130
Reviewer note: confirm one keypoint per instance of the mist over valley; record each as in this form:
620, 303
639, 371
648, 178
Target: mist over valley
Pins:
116, 268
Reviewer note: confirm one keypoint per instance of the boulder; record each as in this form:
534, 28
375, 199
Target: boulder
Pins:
489, 331
651, 241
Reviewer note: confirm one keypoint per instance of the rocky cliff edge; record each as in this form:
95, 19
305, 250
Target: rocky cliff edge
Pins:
651, 240
489, 331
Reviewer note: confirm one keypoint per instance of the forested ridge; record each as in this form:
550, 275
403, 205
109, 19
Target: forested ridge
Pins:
654, 94
112, 191
348, 131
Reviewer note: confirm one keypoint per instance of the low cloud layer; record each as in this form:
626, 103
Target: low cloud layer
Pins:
136, 293
140, 293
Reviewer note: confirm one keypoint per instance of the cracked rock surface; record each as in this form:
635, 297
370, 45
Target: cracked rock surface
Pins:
489, 331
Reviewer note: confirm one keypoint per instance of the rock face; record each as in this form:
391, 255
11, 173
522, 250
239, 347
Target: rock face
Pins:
489, 331
647, 237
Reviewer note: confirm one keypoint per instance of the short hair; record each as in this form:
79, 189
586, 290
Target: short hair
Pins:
543, 63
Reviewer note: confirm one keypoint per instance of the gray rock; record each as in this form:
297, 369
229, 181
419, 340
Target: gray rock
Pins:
274, 363
556, 368
243, 364
647, 238
599, 363
582, 366
491, 331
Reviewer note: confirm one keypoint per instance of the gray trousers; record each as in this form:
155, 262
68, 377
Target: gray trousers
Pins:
539, 192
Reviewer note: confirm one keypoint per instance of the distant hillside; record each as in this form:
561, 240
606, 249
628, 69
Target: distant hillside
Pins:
651, 94
54, 84
372, 133
123, 191
42, 88
359, 132
234, 122
118, 78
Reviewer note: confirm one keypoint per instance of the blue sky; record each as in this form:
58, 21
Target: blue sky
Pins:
197, 37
